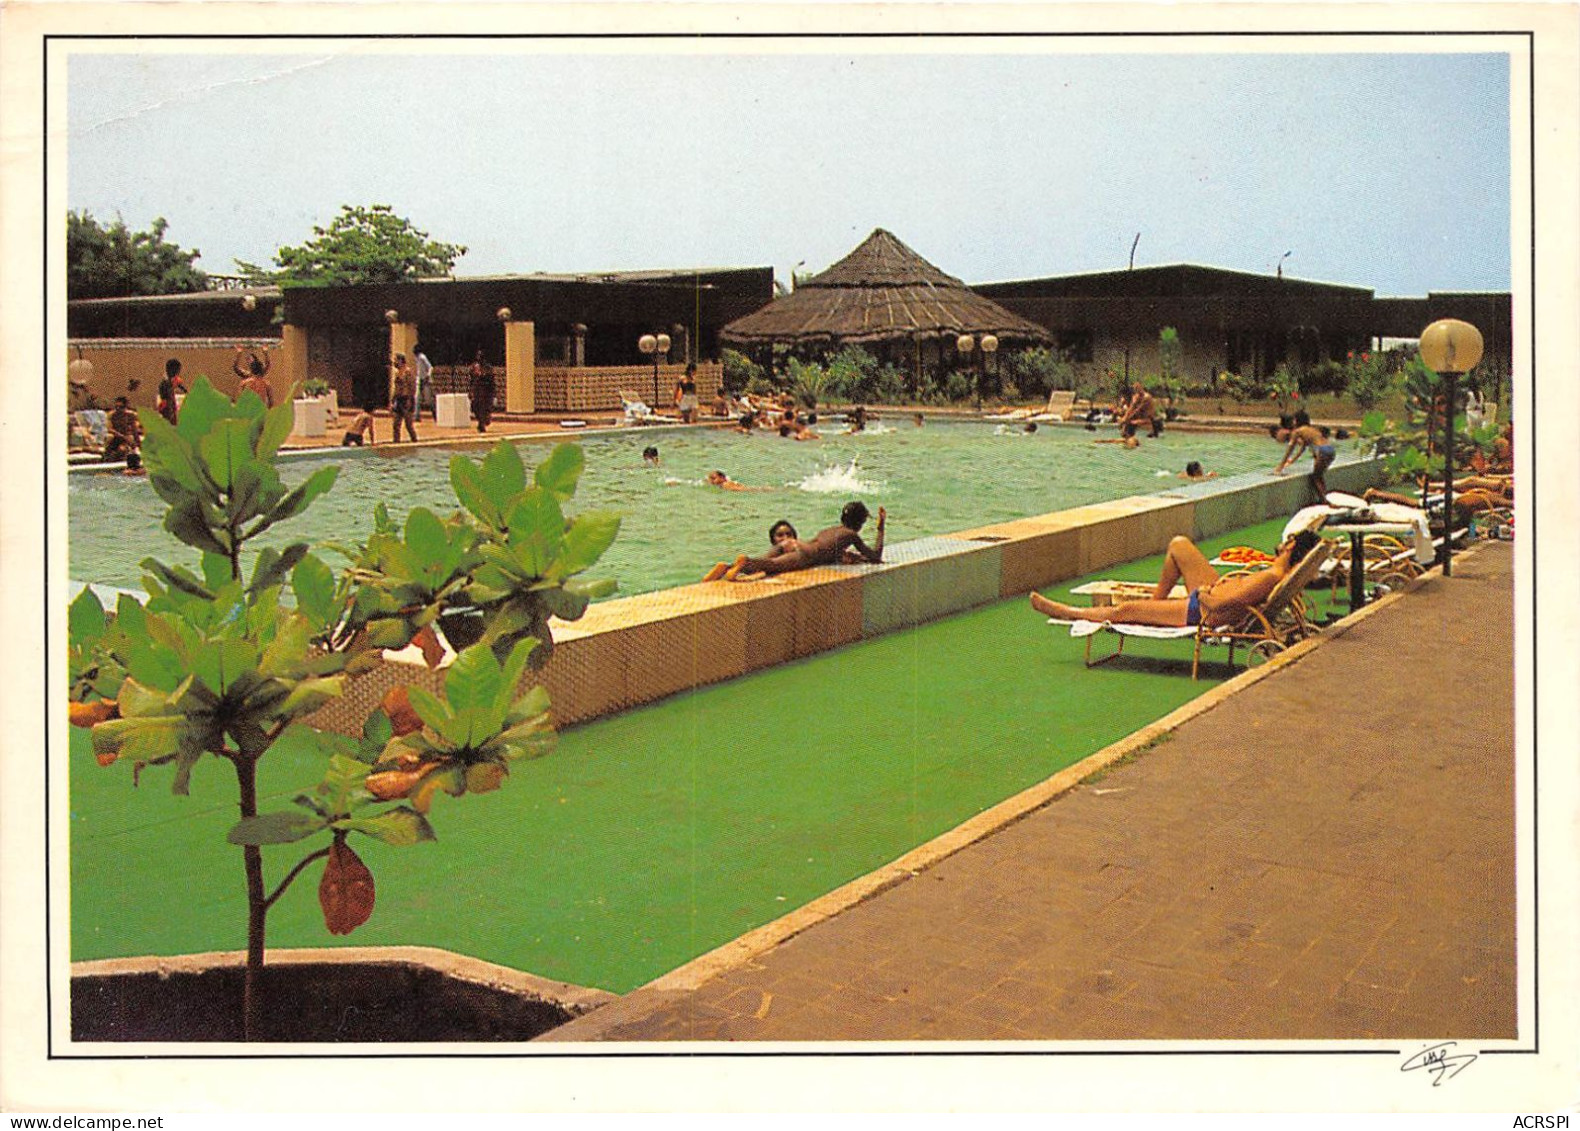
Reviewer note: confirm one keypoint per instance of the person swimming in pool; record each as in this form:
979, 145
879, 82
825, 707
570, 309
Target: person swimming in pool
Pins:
830, 546
1195, 474
723, 482
1211, 600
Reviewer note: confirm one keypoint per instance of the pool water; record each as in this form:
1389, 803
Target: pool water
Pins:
943, 477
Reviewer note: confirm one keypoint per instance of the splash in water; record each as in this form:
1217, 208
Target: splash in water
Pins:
836, 479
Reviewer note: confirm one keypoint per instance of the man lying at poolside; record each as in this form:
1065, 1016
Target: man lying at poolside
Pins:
1213, 600
830, 546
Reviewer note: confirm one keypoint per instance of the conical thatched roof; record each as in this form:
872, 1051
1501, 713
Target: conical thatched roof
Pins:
882, 291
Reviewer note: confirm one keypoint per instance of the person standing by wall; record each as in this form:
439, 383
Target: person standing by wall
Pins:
686, 394
403, 402
481, 390
254, 375
169, 388
425, 390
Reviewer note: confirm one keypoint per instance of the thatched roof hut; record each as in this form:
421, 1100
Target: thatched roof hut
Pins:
881, 292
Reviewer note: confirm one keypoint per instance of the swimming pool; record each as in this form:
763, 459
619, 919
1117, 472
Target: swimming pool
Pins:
943, 477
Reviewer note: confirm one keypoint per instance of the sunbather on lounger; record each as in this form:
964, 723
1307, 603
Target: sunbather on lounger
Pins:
1213, 600
1474, 493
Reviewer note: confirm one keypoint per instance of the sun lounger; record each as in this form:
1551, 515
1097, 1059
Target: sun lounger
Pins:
1265, 630
637, 411
90, 428
1061, 403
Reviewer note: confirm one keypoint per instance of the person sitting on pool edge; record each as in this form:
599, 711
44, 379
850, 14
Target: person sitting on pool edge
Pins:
830, 546
361, 427
1211, 600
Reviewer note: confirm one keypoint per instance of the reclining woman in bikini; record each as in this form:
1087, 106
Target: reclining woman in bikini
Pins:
1213, 600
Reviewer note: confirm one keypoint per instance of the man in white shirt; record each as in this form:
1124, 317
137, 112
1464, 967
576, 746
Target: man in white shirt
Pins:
425, 393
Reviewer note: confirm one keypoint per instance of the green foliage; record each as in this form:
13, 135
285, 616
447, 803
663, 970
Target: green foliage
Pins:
809, 382
1368, 379
361, 245
216, 662
1036, 372
492, 574
958, 386
740, 372
1284, 387
1169, 354
1242, 387
114, 262
314, 387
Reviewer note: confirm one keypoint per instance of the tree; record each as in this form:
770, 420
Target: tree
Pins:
361, 245
215, 663
115, 262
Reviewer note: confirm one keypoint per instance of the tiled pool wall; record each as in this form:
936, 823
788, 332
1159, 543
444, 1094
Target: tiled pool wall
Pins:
635, 650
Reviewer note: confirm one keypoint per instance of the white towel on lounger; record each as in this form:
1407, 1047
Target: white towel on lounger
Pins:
1079, 628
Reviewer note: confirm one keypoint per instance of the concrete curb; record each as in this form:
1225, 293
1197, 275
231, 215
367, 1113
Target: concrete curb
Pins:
666, 989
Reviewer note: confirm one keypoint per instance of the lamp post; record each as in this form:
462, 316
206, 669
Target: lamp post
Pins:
967, 345
1449, 348
655, 345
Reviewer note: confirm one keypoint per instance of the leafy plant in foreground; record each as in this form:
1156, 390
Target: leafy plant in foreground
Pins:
215, 663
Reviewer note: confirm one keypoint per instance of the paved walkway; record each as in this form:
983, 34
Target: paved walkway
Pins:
1327, 854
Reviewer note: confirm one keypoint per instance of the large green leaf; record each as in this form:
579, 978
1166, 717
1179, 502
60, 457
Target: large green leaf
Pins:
401, 827
585, 542
85, 621
201, 409
272, 566
503, 475
227, 454
310, 694
474, 680
467, 481
563, 603
275, 828
427, 543
170, 458
436, 716
188, 522
314, 586
537, 531
277, 424
298, 500
287, 652
561, 471
177, 578
592, 590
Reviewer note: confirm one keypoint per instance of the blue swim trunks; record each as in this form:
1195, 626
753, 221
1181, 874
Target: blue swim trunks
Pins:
1326, 451
1193, 609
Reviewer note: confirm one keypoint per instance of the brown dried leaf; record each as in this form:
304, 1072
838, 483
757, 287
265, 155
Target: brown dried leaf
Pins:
346, 891
403, 719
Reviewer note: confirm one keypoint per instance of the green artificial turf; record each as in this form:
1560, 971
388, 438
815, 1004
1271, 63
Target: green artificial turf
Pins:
654, 836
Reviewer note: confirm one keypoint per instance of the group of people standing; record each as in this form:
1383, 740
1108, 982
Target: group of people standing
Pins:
412, 392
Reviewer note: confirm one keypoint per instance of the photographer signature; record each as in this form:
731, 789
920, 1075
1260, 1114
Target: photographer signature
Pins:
1440, 1062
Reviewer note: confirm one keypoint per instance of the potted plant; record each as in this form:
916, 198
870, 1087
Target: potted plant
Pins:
316, 388
215, 665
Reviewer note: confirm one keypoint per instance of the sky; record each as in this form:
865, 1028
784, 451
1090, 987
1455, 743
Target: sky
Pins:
1388, 171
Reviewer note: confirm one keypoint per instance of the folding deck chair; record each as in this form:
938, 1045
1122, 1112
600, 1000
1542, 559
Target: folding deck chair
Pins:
1265, 629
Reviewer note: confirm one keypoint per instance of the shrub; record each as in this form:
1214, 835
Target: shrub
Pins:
739, 372
1368, 380
809, 382
1036, 372
216, 663
958, 386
